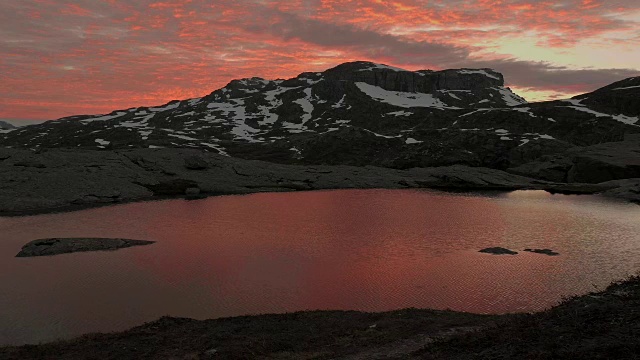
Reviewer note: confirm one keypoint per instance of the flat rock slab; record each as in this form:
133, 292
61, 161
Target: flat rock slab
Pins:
498, 251
543, 251
57, 246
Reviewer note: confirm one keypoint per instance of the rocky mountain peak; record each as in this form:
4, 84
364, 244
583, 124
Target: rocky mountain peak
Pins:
620, 97
357, 113
6, 126
422, 81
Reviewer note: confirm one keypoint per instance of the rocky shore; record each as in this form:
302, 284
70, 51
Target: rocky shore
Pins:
602, 325
59, 179
57, 246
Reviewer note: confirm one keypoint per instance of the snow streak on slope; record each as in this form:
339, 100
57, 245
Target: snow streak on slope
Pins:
577, 105
481, 72
306, 105
622, 118
402, 99
627, 87
383, 67
510, 98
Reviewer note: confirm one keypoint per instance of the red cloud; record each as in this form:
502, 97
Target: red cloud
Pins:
85, 56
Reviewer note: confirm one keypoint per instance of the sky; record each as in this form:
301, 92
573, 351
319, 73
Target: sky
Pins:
65, 57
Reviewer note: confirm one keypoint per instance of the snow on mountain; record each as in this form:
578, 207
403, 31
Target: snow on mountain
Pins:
481, 72
402, 99
357, 113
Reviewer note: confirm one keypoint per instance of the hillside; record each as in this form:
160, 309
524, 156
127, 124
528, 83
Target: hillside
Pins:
359, 113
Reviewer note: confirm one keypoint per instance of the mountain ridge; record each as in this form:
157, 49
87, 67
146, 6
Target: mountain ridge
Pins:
358, 113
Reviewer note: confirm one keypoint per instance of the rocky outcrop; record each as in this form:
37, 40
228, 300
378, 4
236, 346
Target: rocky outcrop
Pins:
80, 178
6, 126
548, 252
424, 81
74, 179
57, 246
195, 163
620, 97
498, 251
594, 164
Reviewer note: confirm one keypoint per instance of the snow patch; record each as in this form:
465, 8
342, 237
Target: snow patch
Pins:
105, 117
481, 72
382, 66
410, 141
510, 98
165, 108
473, 112
340, 103
575, 102
306, 105
400, 113
218, 148
629, 120
627, 87
525, 110
183, 137
402, 99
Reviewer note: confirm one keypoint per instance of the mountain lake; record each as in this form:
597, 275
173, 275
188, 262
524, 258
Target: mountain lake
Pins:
370, 250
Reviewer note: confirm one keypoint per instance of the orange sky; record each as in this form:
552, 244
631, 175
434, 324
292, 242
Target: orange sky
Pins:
61, 58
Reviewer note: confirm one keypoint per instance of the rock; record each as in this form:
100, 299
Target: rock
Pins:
195, 162
193, 193
543, 251
56, 246
30, 163
95, 178
591, 164
498, 251
171, 187
5, 125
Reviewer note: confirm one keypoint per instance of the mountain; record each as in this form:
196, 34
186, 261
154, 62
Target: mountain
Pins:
6, 126
359, 113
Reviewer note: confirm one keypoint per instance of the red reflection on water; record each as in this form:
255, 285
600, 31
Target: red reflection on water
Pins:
324, 250
369, 250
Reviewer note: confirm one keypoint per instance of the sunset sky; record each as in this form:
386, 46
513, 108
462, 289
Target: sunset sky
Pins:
65, 57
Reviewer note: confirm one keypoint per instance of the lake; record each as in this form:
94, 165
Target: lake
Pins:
371, 250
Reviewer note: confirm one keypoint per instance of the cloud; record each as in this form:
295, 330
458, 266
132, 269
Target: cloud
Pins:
86, 56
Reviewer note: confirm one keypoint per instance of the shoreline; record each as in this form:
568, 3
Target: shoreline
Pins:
60, 180
599, 324
481, 191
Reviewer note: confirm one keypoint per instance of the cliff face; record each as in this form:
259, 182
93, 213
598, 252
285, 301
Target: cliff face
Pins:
423, 81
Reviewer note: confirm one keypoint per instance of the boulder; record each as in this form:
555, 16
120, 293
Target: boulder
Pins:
195, 162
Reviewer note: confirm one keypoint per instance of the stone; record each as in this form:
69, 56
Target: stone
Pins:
57, 246
498, 251
543, 251
195, 162
172, 187
30, 163
193, 193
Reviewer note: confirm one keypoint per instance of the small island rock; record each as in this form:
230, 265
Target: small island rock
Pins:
543, 251
56, 246
498, 251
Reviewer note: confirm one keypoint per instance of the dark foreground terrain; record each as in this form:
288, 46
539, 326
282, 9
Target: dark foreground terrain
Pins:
602, 325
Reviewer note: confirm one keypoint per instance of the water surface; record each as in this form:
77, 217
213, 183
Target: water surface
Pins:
370, 250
